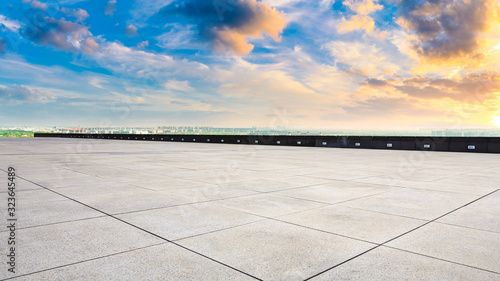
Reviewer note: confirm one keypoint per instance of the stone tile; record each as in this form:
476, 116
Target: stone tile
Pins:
305, 180
50, 246
466, 246
272, 250
347, 174
21, 185
268, 205
42, 213
151, 263
262, 185
81, 181
471, 181
210, 192
446, 187
422, 175
483, 214
34, 196
100, 189
335, 192
420, 204
172, 183
299, 171
140, 201
188, 220
359, 224
389, 264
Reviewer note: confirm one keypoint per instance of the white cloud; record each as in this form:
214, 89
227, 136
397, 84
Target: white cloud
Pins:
110, 8
11, 25
182, 86
296, 86
131, 30
144, 9
178, 36
150, 67
143, 44
280, 3
97, 82
368, 58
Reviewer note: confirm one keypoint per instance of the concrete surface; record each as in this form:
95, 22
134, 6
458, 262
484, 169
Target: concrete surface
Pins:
118, 210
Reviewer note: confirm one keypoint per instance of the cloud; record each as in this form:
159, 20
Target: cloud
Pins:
376, 82
366, 59
295, 90
361, 20
3, 45
145, 9
11, 25
178, 36
79, 14
181, 86
143, 44
38, 5
22, 94
96, 82
473, 88
356, 22
110, 8
89, 46
62, 34
363, 7
450, 31
131, 30
228, 27
150, 68
281, 3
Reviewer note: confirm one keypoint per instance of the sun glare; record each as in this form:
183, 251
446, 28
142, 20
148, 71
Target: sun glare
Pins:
496, 120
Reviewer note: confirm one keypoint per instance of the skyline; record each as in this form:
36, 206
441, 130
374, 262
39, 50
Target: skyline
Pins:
332, 64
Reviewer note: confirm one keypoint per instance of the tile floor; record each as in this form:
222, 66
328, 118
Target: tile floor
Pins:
130, 210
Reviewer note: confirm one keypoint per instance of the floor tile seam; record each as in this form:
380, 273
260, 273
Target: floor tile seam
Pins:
56, 223
468, 227
34, 189
340, 202
386, 213
327, 232
87, 260
428, 189
262, 219
401, 235
311, 185
441, 259
268, 217
273, 191
180, 205
150, 233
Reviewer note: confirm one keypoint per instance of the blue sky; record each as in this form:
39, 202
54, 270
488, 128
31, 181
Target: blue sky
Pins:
238, 63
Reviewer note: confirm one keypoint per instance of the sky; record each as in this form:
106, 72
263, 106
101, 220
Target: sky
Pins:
350, 64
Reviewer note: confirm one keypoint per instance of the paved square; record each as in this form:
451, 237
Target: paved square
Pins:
144, 210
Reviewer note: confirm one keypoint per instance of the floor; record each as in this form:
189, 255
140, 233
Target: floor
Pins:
127, 210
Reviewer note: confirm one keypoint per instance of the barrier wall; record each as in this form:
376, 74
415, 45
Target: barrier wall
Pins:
454, 144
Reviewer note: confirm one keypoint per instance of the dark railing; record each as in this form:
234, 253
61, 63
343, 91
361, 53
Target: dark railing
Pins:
454, 144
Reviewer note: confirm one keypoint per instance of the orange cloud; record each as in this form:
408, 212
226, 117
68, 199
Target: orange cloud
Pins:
360, 21
363, 7
264, 20
228, 30
356, 22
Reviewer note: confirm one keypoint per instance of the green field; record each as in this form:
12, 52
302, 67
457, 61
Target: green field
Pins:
15, 134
